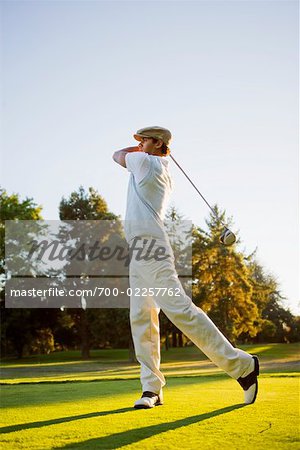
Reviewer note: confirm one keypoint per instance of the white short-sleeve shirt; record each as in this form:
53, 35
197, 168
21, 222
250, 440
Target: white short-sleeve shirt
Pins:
149, 188
139, 164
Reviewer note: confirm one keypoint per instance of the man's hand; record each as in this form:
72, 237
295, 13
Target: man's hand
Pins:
119, 156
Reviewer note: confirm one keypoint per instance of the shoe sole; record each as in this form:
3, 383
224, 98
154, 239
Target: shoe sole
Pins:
147, 407
256, 370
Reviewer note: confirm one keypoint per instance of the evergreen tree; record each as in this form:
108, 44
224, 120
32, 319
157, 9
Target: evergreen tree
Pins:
277, 323
221, 281
179, 232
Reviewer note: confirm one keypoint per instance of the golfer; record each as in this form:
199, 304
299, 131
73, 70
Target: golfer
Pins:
150, 185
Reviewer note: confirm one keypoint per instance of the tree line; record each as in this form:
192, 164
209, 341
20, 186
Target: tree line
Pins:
231, 287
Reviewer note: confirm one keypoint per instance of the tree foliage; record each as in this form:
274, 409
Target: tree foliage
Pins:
222, 287
11, 208
96, 327
82, 205
232, 288
13, 336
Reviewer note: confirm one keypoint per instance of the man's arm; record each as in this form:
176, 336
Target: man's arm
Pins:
119, 156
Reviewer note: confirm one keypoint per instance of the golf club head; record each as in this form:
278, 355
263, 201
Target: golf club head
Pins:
227, 237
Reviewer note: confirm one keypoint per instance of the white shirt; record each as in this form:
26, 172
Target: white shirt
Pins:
148, 193
139, 165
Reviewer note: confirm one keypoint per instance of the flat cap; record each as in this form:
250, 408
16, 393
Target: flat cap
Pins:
154, 132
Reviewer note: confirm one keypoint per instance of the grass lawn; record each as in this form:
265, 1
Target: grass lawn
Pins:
61, 402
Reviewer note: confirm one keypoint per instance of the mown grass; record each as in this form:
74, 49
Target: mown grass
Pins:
266, 350
114, 364
203, 408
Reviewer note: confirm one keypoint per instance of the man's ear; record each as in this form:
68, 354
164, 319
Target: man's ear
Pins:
159, 143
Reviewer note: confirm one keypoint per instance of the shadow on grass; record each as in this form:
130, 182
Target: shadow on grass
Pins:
128, 437
48, 393
44, 423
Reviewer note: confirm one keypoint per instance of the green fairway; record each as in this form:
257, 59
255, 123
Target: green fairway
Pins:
203, 407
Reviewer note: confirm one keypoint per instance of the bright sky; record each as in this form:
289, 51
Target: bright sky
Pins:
80, 77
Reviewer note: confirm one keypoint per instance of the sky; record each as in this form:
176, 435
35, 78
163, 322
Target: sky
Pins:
80, 77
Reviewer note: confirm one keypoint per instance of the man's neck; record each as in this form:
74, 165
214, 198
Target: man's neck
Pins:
158, 153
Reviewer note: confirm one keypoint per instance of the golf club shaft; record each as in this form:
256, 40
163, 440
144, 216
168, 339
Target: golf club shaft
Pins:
203, 198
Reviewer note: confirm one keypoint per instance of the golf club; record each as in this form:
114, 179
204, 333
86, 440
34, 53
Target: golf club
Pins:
227, 237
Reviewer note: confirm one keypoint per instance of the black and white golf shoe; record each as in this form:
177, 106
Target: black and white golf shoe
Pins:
148, 400
250, 384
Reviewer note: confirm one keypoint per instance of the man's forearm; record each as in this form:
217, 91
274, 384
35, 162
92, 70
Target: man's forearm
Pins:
119, 156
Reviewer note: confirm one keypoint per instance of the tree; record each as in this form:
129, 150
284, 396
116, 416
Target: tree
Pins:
82, 205
13, 208
179, 233
221, 281
14, 337
277, 323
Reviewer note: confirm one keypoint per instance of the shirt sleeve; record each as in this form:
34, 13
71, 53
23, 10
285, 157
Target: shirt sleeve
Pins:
138, 163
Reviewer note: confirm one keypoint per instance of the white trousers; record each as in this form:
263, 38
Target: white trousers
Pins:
180, 309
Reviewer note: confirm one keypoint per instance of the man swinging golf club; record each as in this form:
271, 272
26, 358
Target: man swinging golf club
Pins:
149, 188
